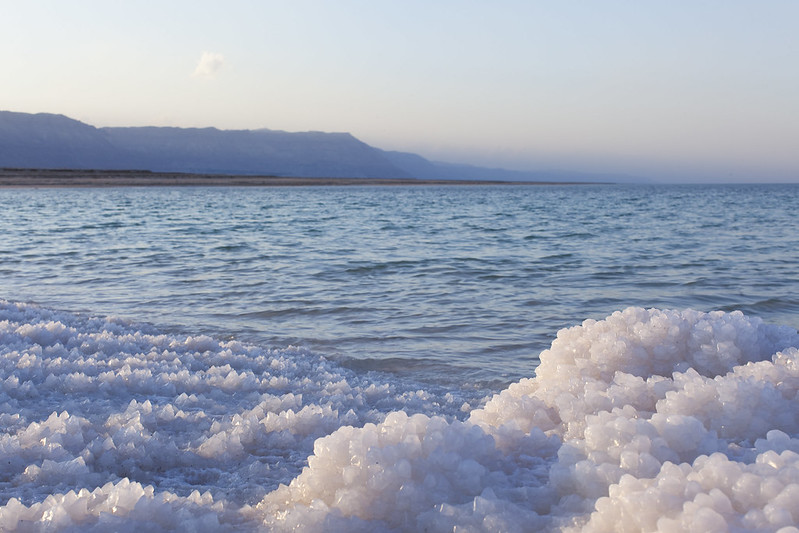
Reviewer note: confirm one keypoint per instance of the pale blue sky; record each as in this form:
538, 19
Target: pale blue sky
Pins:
688, 90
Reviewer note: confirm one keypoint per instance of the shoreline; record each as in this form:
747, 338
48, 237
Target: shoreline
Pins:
75, 178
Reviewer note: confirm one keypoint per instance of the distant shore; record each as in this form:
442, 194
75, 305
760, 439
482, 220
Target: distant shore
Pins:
53, 178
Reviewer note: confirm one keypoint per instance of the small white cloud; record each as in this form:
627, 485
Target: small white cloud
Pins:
209, 64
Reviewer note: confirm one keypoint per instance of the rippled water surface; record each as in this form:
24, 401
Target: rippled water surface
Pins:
449, 284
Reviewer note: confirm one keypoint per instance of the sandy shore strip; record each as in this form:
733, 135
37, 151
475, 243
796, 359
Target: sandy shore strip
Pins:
50, 178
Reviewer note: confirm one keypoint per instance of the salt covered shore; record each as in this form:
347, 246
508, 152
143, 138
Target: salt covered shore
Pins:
648, 420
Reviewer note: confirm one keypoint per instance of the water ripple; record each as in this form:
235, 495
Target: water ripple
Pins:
475, 280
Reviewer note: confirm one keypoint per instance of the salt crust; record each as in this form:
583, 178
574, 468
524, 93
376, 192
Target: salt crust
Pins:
99, 404
648, 420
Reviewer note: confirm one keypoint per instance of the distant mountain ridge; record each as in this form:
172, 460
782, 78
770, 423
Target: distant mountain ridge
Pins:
51, 141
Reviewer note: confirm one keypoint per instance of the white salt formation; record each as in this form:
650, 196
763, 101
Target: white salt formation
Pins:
646, 421
151, 424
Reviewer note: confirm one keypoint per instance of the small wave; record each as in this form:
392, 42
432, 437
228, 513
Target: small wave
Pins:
553, 257
232, 247
369, 268
578, 235
308, 310
771, 304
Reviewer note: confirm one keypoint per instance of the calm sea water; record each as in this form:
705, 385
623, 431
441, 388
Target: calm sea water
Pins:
445, 284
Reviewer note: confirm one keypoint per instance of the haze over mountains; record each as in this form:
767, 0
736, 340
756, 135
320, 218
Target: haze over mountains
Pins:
50, 141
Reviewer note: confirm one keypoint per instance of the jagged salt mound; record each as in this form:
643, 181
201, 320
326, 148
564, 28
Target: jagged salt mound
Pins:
647, 420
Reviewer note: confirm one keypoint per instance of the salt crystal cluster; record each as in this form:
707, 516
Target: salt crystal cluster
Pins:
648, 420
98, 410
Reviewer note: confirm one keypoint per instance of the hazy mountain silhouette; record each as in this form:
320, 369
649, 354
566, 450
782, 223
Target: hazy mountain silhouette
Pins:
53, 141
50, 141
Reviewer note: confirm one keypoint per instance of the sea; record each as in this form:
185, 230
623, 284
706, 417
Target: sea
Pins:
398, 358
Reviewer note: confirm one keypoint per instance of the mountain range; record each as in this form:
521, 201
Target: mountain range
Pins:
50, 141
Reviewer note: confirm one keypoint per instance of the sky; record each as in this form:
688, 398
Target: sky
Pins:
689, 91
